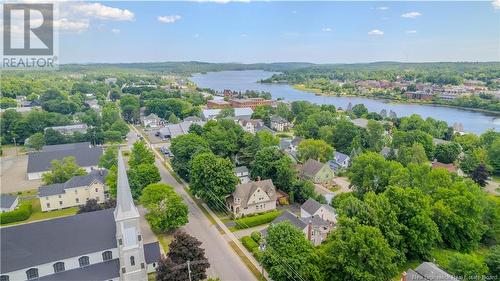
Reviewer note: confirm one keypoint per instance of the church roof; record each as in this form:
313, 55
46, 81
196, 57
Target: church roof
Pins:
125, 207
99, 271
42, 242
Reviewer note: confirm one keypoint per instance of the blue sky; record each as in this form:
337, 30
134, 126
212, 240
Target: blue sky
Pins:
248, 32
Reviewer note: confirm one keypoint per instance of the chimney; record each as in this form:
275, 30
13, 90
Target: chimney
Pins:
101, 172
403, 276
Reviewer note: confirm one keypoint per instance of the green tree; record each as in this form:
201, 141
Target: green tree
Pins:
183, 148
359, 110
109, 158
494, 155
212, 178
315, 149
375, 139
401, 138
223, 137
447, 153
166, 210
468, 267
112, 137
112, 179
141, 155
54, 137
36, 141
271, 163
289, 255
63, 170
493, 261
120, 126
141, 176
357, 252
371, 172
414, 154
343, 134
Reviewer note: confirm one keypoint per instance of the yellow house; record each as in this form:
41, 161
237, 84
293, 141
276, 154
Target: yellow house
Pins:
74, 192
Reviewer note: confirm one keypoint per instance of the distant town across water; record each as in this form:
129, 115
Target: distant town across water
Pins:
472, 121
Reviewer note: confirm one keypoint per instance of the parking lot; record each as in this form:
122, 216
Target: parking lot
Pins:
13, 176
150, 134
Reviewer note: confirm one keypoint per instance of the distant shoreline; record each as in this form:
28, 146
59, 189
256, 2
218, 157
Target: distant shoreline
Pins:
319, 92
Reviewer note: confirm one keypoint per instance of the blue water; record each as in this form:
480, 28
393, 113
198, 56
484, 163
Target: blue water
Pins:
473, 121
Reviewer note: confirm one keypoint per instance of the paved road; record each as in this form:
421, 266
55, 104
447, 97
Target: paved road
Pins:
224, 263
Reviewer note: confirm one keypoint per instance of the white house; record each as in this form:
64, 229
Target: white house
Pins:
313, 208
242, 173
152, 121
252, 197
74, 192
280, 124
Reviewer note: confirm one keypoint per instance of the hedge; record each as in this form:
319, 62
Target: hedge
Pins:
256, 236
257, 220
23, 212
248, 242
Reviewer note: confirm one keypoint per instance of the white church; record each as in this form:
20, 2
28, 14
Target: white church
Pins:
100, 246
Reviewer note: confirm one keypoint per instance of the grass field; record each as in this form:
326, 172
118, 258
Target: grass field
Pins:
37, 213
165, 239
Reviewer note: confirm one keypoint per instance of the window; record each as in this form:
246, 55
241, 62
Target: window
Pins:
4, 278
60, 203
84, 261
59, 196
76, 191
132, 261
97, 190
120, 241
139, 238
123, 269
48, 205
142, 265
58, 267
32, 273
77, 200
107, 255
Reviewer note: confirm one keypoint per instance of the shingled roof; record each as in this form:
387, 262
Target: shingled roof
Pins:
85, 156
245, 190
77, 181
311, 168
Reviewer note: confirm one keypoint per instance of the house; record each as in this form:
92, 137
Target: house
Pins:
74, 192
295, 143
173, 130
280, 124
70, 129
93, 104
317, 172
152, 121
239, 113
110, 80
343, 160
8, 202
86, 156
285, 144
437, 141
252, 197
315, 229
360, 122
242, 173
449, 167
387, 151
251, 125
313, 208
264, 128
101, 245
427, 271
192, 119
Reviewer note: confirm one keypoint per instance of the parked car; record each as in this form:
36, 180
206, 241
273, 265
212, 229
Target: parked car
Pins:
166, 151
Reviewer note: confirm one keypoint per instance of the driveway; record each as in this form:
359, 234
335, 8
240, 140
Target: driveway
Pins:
343, 184
13, 177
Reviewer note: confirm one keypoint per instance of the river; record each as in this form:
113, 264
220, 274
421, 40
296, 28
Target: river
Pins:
473, 121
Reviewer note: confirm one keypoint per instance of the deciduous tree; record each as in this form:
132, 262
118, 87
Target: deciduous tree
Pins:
63, 170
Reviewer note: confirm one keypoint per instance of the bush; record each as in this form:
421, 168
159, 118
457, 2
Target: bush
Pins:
257, 253
248, 242
257, 220
23, 212
283, 201
256, 236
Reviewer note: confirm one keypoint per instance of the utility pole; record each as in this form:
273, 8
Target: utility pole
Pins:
15, 145
189, 270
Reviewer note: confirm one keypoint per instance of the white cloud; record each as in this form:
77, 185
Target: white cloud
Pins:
68, 25
115, 30
496, 4
382, 8
102, 12
410, 31
169, 19
376, 32
411, 15
196, 35
326, 29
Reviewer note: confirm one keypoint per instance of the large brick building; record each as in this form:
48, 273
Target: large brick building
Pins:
251, 103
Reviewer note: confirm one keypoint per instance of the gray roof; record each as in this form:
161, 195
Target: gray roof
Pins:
42, 242
333, 165
174, 130
152, 252
82, 128
7, 200
340, 157
296, 141
311, 206
245, 190
360, 122
429, 271
387, 150
264, 128
311, 168
125, 207
278, 119
85, 156
77, 181
192, 119
99, 272
241, 169
315, 221
287, 216
285, 143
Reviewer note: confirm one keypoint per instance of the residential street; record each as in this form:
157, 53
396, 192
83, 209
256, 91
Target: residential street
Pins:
224, 263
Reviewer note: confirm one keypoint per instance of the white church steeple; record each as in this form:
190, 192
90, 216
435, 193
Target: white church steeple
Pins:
128, 231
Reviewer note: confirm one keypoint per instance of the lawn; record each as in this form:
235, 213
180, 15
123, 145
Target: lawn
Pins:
496, 178
165, 239
252, 221
37, 213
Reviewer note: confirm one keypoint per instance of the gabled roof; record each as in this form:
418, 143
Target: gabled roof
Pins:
107, 270
285, 143
245, 190
31, 244
360, 122
311, 206
387, 150
450, 167
429, 271
278, 119
125, 207
7, 200
333, 165
293, 219
262, 127
296, 141
340, 157
85, 156
311, 168
241, 169
77, 181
